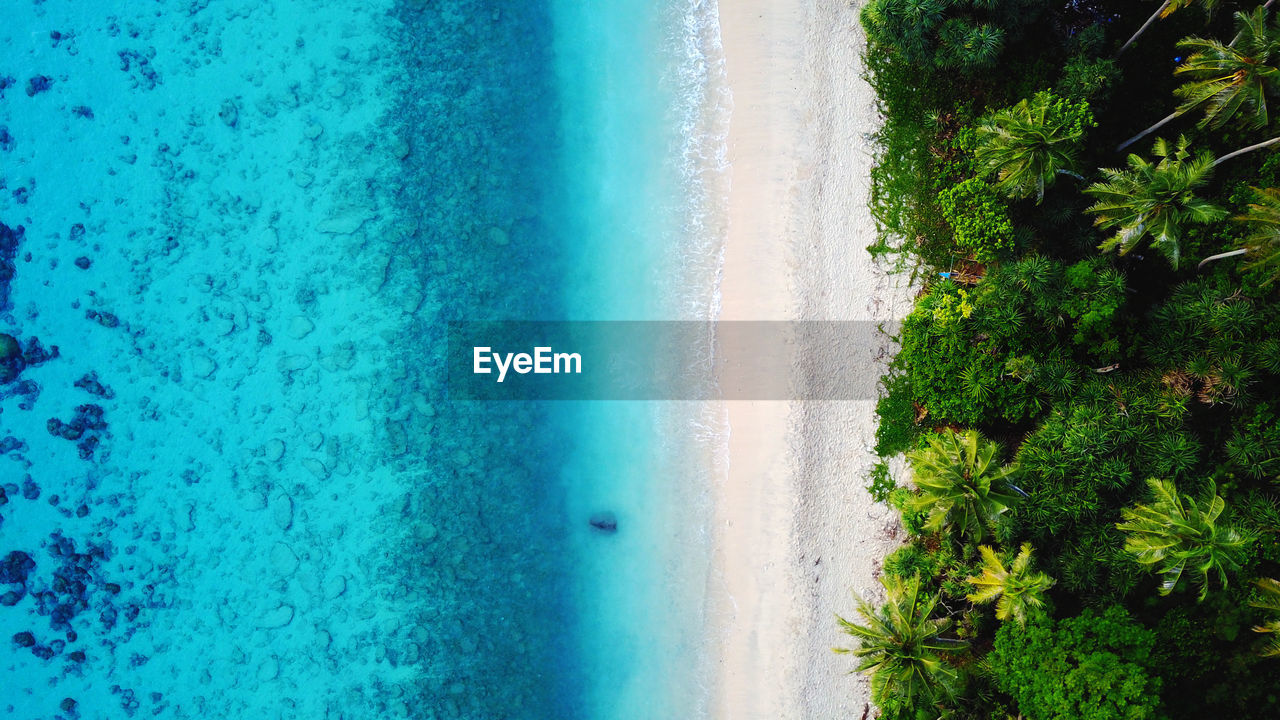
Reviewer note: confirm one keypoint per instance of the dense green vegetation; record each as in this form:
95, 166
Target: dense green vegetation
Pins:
1088, 388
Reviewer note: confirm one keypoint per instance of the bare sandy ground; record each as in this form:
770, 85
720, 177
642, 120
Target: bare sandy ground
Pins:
796, 532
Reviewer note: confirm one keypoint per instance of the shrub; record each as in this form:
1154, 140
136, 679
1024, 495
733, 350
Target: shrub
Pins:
1089, 79
978, 218
1091, 667
897, 429
881, 483
1254, 446
1093, 294
1213, 344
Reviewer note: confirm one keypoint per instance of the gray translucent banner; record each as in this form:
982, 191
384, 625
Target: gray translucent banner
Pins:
815, 360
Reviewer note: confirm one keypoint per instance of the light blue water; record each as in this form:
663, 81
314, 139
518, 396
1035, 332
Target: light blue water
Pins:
281, 204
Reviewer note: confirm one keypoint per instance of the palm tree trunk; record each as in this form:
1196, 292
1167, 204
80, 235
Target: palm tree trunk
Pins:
1243, 150
1144, 27
1148, 131
1220, 256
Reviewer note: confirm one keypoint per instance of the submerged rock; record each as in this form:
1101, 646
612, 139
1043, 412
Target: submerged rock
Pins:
15, 567
605, 522
12, 362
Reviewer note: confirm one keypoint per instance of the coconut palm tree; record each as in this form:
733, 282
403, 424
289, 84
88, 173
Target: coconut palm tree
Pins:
1016, 589
1270, 601
1154, 200
1263, 241
1227, 80
1167, 8
899, 644
1029, 144
1176, 533
961, 485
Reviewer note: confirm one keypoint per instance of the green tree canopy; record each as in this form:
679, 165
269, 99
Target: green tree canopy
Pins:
1091, 667
1232, 80
899, 645
962, 485
1017, 590
1263, 240
1269, 600
1175, 533
1154, 200
1026, 146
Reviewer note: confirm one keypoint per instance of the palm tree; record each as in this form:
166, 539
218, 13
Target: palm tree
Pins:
1226, 79
1029, 144
899, 644
1176, 532
1165, 10
1019, 590
1263, 242
1270, 601
960, 483
1154, 199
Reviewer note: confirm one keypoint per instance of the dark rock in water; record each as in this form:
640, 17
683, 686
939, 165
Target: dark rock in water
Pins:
10, 443
83, 111
83, 262
10, 238
85, 427
30, 490
229, 113
69, 704
10, 598
44, 652
605, 522
76, 656
24, 639
90, 384
82, 511
11, 361
6, 140
77, 232
6, 82
105, 319
38, 84
15, 567
36, 354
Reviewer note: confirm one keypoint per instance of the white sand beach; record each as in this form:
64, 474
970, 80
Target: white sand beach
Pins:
796, 531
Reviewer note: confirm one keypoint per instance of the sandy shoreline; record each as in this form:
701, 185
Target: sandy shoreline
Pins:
795, 532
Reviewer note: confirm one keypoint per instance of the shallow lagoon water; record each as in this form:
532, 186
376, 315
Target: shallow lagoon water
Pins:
244, 225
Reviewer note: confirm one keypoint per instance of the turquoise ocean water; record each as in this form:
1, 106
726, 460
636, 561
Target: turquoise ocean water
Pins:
238, 487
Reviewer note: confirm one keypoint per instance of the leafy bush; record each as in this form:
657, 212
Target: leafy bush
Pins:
955, 366
979, 219
1212, 343
958, 34
1254, 446
1029, 145
1094, 294
1091, 667
881, 483
1091, 456
1089, 79
896, 409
